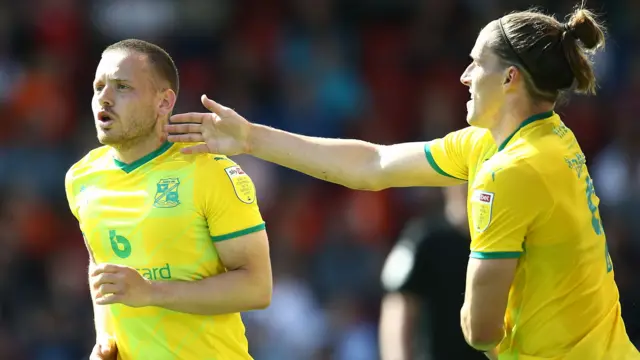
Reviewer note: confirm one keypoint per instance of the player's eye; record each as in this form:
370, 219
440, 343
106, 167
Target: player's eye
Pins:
98, 88
123, 87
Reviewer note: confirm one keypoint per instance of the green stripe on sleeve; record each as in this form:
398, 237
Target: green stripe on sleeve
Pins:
495, 255
434, 165
239, 233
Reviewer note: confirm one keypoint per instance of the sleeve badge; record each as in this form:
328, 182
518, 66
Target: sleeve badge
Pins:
481, 209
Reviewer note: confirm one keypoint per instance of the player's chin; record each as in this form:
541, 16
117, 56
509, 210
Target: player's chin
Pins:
475, 119
108, 137
471, 116
472, 119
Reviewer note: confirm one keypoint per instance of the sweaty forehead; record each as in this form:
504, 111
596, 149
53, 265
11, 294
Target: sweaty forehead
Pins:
123, 65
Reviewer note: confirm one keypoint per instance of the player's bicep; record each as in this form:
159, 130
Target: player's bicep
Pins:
486, 297
407, 164
246, 252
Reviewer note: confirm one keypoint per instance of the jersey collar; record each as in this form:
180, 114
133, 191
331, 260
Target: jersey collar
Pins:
529, 120
143, 160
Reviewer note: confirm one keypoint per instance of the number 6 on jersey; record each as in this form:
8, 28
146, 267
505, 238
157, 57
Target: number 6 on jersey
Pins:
596, 223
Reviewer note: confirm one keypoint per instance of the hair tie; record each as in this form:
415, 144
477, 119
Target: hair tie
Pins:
566, 28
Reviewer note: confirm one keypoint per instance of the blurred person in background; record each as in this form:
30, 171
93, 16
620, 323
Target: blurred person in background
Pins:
175, 255
424, 278
519, 294
294, 326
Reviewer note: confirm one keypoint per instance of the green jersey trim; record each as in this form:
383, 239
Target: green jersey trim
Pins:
529, 120
143, 160
495, 255
239, 233
434, 165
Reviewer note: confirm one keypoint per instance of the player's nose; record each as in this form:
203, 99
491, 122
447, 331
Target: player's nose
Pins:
465, 78
105, 98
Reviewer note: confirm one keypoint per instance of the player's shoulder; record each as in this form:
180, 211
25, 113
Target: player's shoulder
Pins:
473, 140
215, 163
544, 149
517, 170
515, 165
200, 159
222, 175
515, 181
93, 159
207, 165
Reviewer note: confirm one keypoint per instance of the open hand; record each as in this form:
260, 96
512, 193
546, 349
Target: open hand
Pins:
120, 284
222, 131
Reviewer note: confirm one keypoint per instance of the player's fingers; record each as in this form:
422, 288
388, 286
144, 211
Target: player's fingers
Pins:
104, 353
191, 117
214, 107
111, 353
196, 149
106, 268
107, 349
102, 279
96, 352
185, 138
162, 134
108, 299
105, 289
183, 128
107, 278
106, 341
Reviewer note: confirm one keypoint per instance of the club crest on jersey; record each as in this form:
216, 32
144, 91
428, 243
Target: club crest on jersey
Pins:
242, 184
481, 208
167, 193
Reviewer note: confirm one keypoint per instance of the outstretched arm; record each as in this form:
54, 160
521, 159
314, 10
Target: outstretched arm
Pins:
352, 163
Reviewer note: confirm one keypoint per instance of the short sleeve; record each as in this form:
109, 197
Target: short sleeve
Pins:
227, 197
449, 156
505, 204
68, 187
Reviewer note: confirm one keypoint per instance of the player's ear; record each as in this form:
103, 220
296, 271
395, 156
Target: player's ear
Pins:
167, 102
510, 74
511, 78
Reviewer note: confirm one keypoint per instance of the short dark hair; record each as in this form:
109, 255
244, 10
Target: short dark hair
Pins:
160, 60
554, 56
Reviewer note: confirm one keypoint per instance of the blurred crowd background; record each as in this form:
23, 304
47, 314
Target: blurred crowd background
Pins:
385, 71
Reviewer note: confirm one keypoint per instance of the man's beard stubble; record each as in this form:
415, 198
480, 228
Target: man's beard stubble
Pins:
135, 133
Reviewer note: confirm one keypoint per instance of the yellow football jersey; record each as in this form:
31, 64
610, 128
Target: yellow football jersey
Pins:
162, 215
532, 198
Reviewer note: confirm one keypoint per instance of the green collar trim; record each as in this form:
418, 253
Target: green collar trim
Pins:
143, 160
529, 120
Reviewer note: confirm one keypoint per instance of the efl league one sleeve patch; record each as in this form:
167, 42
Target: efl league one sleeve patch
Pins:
242, 184
481, 208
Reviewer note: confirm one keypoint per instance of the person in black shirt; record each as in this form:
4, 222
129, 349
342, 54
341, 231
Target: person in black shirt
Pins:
424, 281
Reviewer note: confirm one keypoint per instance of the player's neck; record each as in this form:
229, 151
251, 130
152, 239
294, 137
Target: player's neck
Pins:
136, 150
512, 116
